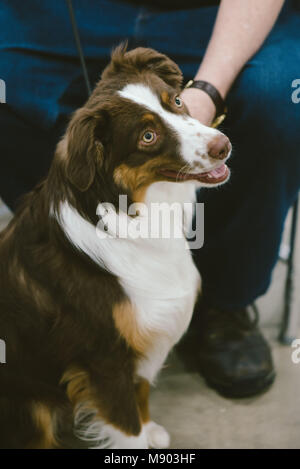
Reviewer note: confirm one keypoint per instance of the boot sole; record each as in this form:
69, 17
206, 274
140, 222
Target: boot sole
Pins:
246, 388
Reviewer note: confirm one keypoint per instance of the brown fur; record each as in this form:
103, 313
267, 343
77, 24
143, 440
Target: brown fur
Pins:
126, 323
143, 60
142, 394
82, 389
136, 180
45, 423
165, 97
148, 117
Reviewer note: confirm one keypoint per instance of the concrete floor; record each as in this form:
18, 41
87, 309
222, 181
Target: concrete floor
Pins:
197, 417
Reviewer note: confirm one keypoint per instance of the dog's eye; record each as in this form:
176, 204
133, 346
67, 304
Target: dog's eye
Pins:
149, 137
178, 101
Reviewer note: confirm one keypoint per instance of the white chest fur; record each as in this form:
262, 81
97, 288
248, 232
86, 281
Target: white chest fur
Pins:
158, 275
174, 283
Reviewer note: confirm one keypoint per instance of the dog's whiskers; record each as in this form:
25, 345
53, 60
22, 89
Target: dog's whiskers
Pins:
184, 170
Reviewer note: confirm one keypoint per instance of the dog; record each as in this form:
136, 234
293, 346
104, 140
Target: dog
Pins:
89, 320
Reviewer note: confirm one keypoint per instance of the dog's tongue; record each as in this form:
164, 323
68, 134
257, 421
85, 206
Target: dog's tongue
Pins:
210, 177
216, 173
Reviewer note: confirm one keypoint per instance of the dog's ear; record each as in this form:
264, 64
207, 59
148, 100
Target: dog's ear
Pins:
85, 152
161, 65
143, 59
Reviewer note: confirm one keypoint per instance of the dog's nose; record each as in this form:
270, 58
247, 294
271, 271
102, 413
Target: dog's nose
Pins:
219, 147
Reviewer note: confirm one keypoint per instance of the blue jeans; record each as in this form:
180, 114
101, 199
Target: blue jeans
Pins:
243, 219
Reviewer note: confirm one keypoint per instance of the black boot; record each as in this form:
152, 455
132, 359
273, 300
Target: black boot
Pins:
230, 352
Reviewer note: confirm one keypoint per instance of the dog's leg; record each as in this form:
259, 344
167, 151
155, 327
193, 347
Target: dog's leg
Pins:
106, 409
27, 425
157, 436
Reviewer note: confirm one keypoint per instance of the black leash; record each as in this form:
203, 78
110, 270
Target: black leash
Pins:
79, 48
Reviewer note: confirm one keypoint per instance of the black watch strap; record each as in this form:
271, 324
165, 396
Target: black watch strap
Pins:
214, 94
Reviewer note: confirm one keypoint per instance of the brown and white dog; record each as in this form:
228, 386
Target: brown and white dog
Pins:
88, 322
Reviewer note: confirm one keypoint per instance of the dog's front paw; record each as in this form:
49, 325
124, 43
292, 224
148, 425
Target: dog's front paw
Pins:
157, 436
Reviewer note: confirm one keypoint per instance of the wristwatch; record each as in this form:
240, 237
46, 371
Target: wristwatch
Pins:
213, 93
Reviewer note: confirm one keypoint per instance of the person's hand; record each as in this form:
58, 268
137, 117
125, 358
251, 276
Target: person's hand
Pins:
199, 104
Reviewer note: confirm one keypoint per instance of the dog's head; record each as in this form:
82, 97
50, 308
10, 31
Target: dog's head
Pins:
135, 130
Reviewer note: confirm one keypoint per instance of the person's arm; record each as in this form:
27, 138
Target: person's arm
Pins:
240, 29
